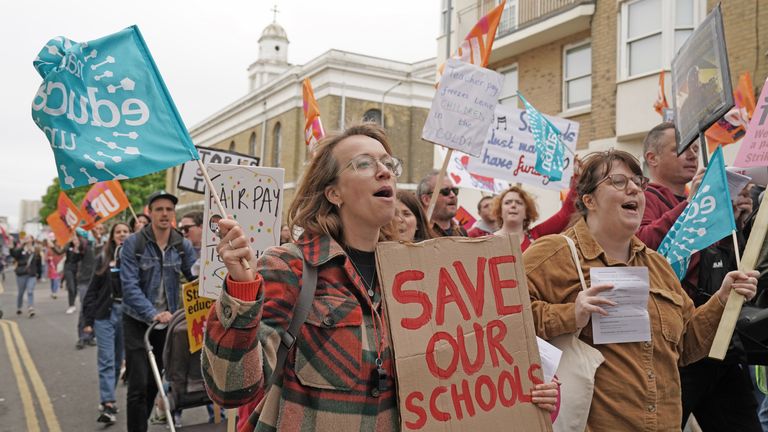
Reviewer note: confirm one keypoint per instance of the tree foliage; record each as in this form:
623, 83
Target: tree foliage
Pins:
137, 190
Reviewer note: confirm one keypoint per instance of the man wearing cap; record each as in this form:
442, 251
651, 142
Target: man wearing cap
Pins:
151, 260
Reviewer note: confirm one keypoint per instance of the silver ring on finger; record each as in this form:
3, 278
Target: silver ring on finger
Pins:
229, 242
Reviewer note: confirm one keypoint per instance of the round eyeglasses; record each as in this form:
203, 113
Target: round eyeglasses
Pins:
369, 165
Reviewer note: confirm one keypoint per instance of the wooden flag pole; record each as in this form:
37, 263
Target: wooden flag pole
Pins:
133, 213
736, 300
438, 185
208, 182
231, 420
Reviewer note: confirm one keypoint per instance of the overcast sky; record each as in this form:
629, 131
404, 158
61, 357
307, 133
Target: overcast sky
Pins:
202, 49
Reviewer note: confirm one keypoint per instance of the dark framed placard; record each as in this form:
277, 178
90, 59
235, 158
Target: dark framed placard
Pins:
701, 81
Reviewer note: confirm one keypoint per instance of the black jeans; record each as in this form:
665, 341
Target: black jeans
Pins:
720, 395
142, 388
70, 280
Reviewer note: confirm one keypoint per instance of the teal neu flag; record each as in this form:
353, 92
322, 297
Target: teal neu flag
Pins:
105, 110
707, 218
550, 156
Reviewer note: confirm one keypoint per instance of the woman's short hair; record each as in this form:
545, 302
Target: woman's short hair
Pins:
423, 231
531, 212
310, 209
595, 167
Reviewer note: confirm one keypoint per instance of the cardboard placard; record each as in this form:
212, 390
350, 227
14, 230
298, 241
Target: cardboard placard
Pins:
509, 151
253, 196
196, 313
463, 106
462, 334
190, 177
754, 148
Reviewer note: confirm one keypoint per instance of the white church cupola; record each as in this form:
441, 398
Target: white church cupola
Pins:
273, 55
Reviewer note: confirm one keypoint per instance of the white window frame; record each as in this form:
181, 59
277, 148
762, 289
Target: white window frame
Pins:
503, 71
445, 15
510, 3
667, 35
567, 48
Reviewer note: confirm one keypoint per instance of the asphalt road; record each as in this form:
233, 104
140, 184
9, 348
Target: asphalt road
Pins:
45, 383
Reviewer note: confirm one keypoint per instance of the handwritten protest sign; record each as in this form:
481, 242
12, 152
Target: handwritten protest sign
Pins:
754, 148
462, 332
509, 151
462, 109
190, 176
459, 174
196, 312
103, 201
254, 197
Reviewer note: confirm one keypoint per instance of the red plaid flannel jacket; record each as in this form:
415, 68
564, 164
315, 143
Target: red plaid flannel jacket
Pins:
326, 383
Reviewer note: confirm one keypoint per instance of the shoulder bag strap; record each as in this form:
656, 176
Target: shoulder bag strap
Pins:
300, 313
577, 263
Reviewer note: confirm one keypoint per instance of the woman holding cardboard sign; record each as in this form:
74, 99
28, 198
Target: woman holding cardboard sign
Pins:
638, 386
338, 375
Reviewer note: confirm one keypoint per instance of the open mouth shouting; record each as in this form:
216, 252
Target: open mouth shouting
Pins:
385, 192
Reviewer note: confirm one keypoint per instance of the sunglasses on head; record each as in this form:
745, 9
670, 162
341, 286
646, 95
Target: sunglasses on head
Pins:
446, 191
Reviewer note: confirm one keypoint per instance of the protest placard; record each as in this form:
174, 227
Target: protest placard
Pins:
253, 196
191, 176
462, 333
462, 109
701, 81
458, 171
754, 148
465, 218
103, 201
196, 313
509, 151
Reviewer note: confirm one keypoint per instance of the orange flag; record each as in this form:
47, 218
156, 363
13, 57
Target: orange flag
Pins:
476, 48
661, 99
733, 126
104, 201
313, 127
64, 220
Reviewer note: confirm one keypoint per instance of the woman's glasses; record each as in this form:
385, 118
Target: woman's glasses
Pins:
620, 181
369, 166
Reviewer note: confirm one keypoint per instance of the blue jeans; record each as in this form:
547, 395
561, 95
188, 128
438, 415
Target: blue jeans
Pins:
55, 283
109, 339
25, 283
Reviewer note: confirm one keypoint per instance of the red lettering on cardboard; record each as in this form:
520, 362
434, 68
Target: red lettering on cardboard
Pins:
485, 380
434, 368
412, 296
436, 413
468, 366
421, 415
462, 396
476, 294
496, 342
447, 292
499, 284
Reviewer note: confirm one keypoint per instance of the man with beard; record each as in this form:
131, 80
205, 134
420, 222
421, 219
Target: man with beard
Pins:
446, 206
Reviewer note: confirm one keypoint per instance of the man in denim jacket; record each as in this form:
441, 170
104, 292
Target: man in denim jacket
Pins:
150, 279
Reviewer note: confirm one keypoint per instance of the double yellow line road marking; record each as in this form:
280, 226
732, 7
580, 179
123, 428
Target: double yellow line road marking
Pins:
19, 356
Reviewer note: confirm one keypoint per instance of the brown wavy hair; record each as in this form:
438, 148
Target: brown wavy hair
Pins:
310, 209
531, 211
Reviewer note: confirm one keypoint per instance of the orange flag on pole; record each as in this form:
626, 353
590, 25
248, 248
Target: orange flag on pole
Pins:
64, 220
104, 201
476, 47
661, 98
733, 126
313, 127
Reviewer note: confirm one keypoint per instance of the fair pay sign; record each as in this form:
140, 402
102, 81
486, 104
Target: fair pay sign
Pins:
462, 334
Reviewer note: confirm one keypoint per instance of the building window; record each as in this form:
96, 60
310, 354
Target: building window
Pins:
252, 144
445, 16
509, 88
232, 146
508, 22
276, 141
577, 76
372, 116
652, 31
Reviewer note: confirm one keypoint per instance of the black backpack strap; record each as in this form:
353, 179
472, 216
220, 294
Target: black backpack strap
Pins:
661, 197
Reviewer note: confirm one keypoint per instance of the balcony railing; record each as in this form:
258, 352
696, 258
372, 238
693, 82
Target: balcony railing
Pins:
518, 13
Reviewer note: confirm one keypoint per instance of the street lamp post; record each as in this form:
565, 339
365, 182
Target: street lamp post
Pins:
382, 100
